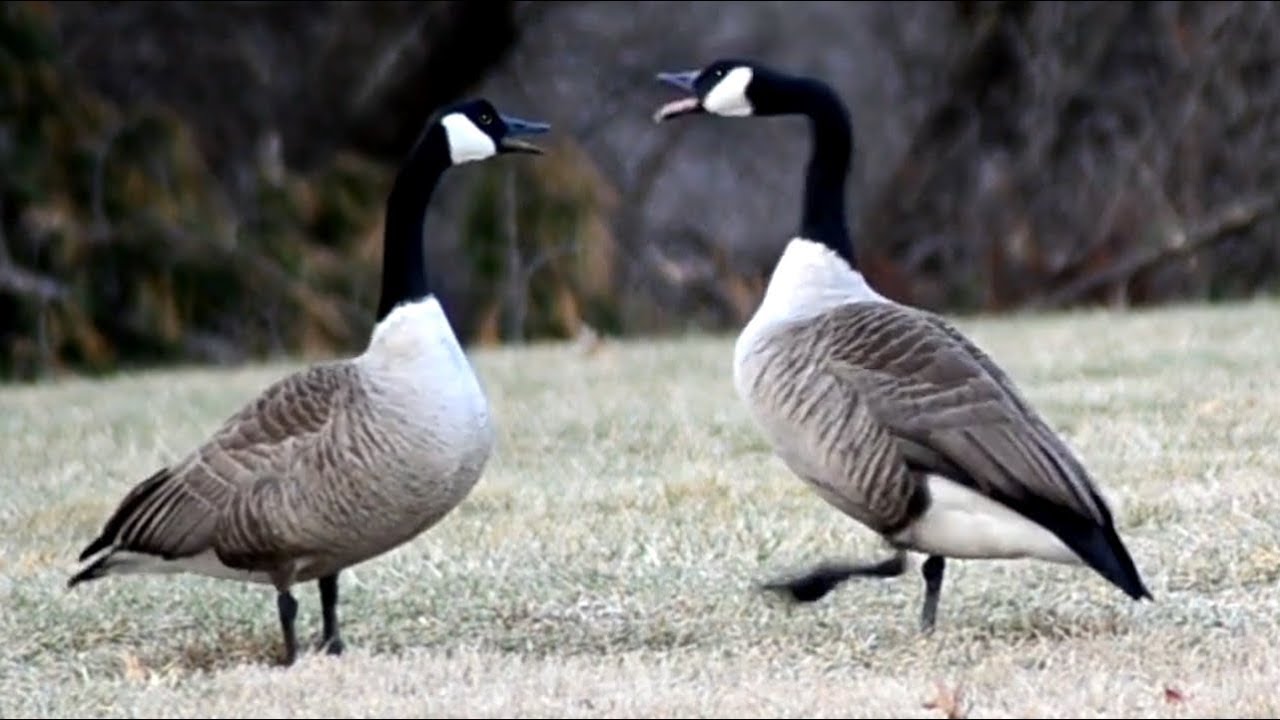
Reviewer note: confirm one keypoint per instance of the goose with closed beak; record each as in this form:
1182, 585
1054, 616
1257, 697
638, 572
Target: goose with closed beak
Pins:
342, 461
888, 412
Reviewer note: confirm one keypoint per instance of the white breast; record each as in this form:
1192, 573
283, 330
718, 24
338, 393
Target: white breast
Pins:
808, 280
417, 370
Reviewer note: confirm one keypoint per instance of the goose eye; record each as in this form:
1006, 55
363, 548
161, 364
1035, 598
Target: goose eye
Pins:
485, 118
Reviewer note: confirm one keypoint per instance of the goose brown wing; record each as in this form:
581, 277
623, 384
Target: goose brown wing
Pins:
289, 411
175, 512
952, 411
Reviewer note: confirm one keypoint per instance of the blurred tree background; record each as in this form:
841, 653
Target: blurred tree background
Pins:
202, 182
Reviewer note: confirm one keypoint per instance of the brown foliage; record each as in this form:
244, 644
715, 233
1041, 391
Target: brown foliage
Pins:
121, 246
1076, 137
211, 189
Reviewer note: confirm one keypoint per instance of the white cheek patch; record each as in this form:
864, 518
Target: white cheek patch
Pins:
729, 96
467, 142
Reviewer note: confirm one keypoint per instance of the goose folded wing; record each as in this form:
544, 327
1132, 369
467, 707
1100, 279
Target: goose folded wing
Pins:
289, 411
174, 513
954, 413
169, 515
281, 517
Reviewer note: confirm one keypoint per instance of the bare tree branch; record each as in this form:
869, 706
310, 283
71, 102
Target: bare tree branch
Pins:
20, 281
1180, 241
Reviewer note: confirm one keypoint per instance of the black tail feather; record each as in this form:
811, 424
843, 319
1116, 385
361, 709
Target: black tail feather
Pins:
140, 493
1105, 552
92, 572
1097, 544
98, 543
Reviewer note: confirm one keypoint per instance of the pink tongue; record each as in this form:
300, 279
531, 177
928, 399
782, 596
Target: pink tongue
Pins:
675, 107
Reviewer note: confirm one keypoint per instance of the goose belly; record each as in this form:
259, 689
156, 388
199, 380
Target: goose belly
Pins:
207, 564
431, 407
428, 439
389, 505
442, 458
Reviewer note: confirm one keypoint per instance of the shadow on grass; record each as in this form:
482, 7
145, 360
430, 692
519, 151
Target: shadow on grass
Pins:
599, 629
1038, 626
226, 649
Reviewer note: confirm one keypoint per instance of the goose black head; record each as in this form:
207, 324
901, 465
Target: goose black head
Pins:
475, 130
727, 87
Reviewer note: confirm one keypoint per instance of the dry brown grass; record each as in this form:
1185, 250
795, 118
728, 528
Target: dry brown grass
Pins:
606, 565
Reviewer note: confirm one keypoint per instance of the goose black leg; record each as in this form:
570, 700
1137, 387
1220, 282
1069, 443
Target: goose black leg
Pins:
288, 608
330, 640
815, 584
932, 572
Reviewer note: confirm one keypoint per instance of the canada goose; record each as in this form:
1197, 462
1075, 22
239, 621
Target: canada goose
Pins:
342, 461
887, 411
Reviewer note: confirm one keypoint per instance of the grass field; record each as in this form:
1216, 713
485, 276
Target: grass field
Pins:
606, 564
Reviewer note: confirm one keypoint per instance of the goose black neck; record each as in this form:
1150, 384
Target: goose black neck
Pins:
831, 152
404, 267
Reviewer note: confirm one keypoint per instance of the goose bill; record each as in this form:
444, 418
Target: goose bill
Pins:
675, 108
510, 144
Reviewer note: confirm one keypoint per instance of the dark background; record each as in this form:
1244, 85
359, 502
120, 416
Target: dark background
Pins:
203, 181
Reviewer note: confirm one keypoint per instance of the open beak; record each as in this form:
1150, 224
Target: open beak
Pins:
684, 106
515, 127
